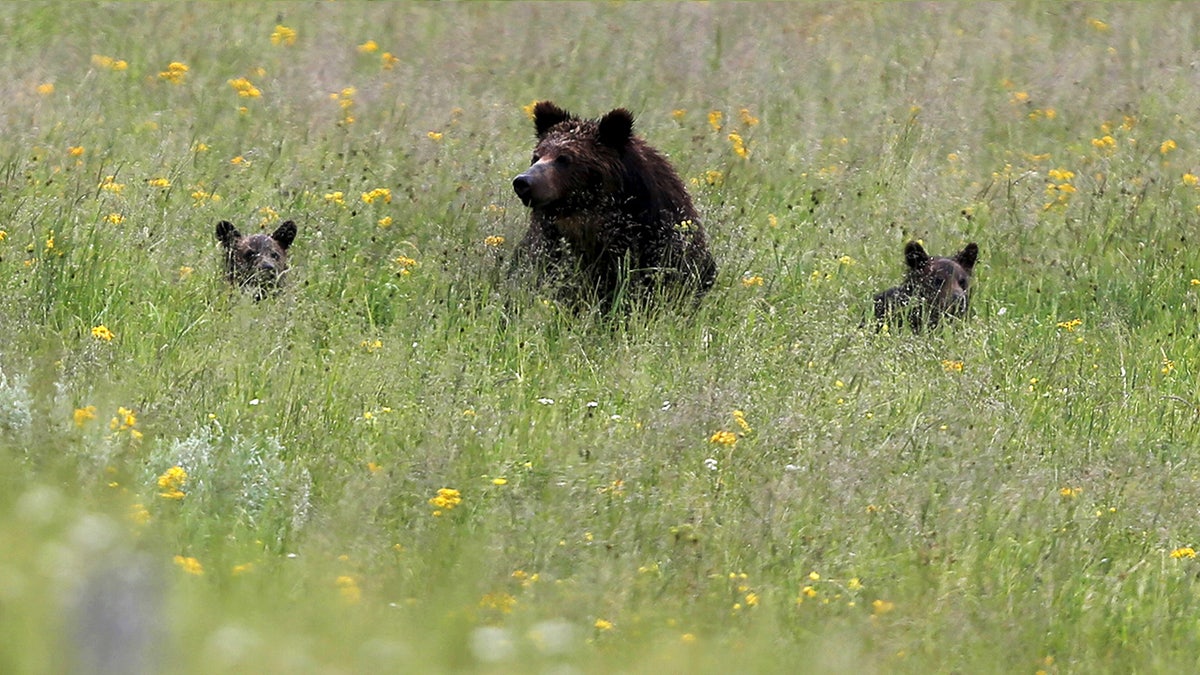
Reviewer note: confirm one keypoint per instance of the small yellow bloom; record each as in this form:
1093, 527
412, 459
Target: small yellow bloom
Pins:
244, 568
348, 589
139, 514
368, 47
747, 119
854, 584
1190, 179
189, 565
493, 241
814, 576
1019, 97
171, 483
499, 481
1185, 552
1168, 366
446, 499
185, 272
102, 332
772, 220
809, 592
882, 607
1166, 146
45, 89
245, 88
1098, 25
750, 280
75, 150
603, 624
385, 221
110, 184
283, 36
378, 194
727, 438
335, 198
1068, 492
678, 114
952, 366
435, 135
84, 414
714, 177
108, 62
739, 146
159, 182
687, 638
114, 218
387, 60
175, 73
714, 120
1071, 325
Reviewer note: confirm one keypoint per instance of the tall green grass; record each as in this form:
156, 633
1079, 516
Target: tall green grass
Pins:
1013, 494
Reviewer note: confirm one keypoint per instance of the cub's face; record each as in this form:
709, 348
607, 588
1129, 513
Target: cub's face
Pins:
944, 284
257, 261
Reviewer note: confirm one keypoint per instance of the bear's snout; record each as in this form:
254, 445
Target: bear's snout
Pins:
523, 186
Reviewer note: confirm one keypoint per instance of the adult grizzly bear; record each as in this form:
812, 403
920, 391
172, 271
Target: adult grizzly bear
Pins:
610, 219
934, 287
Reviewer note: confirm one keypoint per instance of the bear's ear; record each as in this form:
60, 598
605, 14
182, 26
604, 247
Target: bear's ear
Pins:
915, 256
616, 128
284, 234
546, 115
967, 256
227, 233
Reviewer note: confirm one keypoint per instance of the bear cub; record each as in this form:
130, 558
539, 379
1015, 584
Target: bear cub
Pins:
933, 288
610, 220
256, 263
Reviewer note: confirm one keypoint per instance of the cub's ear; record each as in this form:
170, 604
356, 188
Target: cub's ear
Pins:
616, 128
967, 256
227, 233
546, 115
915, 256
284, 234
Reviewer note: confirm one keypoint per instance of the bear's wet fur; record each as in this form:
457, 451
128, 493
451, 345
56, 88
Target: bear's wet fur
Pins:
609, 217
934, 288
256, 263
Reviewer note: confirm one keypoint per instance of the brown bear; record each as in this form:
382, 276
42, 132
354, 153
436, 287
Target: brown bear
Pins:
610, 219
933, 288
256, 262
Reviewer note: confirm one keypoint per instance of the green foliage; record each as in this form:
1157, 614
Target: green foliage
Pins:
761, 484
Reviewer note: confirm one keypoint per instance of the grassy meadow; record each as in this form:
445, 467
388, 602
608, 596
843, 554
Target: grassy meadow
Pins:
408, 462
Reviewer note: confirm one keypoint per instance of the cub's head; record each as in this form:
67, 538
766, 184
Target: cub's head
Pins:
943, 285
576, 162
256, 262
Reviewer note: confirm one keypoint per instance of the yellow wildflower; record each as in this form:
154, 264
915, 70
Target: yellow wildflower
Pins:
45, 89
493, 241
102, 332
1068, 492
82, 415
435, 135
283, 36
1190, 179
1071, 325
747, 119
678, 114
108, 62
75, 150
723, 438
114, 218
499, 481
385, 221
388, 60
189, 565
714, 120
245, 88
110, 184
1166, 146
139, 514
446, 499
603, 624
368, 47
1098, 25
882, 607
749, 280
739, 146
378, 193
498, 601
348, 588
335, 198
951, 366
171, 483
1185, 552
175, 73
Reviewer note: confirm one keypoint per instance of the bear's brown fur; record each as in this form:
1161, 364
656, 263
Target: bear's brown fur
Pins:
609, 215
933, 288
256, 263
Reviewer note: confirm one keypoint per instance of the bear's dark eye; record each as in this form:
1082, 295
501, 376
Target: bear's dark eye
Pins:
534, 160
562, 160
